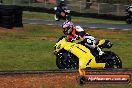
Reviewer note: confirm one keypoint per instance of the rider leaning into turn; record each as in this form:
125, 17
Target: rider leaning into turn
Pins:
75, 33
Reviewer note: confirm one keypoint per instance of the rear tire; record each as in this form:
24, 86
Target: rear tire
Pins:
111, 60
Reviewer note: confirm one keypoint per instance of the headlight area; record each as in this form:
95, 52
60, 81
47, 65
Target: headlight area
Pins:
55, 52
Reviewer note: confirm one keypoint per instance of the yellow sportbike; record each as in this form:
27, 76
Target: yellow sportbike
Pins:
72, 55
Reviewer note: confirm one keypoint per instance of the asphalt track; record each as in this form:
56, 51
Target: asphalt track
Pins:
82, 24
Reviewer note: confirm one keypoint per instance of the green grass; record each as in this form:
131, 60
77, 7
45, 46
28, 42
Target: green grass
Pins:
19, 54
22, 51
32, 49
46, 16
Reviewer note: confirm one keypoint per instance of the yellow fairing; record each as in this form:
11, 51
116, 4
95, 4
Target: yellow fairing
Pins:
86, 59
101, 42
60, 45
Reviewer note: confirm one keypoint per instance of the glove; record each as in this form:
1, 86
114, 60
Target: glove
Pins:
76, 38
109, 44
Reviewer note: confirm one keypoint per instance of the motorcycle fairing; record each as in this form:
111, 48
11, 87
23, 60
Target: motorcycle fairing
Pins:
86, 59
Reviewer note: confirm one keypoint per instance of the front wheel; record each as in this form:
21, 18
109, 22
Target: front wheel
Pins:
56, 17
65, 60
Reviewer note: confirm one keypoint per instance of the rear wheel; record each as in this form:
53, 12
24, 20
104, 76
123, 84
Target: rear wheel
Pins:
111, 60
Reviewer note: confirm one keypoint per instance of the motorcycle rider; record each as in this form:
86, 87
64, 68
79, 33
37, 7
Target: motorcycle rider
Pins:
60, 7
77, 34
72, 32
61, 10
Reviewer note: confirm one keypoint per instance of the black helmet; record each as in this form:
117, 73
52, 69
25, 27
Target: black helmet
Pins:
62, 2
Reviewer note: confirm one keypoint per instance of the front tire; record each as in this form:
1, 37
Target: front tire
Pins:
56, 17
65, 60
